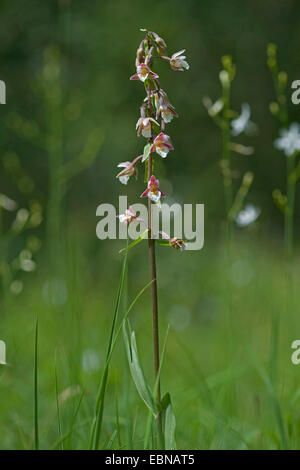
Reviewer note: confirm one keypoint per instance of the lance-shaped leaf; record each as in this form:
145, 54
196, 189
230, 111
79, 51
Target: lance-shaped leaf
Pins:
137, 371
170, 423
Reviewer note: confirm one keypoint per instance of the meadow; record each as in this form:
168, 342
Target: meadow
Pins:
228, 361
73, 377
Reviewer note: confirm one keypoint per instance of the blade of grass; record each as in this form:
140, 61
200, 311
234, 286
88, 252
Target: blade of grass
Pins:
118, 421
97, 423
110, 442
36, 418
170, 426
57, 406
274, 399
68, 435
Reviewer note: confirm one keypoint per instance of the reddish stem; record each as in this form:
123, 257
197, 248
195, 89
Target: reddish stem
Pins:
152, 261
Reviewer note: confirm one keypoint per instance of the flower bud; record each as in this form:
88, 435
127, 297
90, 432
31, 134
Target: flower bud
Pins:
282, 78
161, 45
274, 108
148, 60
140, 55
224, 78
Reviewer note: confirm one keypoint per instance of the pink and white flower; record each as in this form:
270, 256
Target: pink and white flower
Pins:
129, 170
162, 145
143, 126
164, 107
128, 216
178, 61
153, 191
143, 72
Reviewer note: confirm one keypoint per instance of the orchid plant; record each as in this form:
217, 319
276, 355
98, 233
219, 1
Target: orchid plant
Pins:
156, 112
232, 124
288, 142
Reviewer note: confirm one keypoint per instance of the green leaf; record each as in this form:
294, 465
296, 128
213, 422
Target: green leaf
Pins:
146, 152
162, 405
137, 371
170, 424
135, 242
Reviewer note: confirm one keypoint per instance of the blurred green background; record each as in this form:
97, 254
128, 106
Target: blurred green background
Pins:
69, 120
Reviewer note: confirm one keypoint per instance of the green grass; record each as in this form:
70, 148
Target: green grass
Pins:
227, 361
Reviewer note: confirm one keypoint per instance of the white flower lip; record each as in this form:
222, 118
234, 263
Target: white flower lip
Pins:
124, 179
155, 197
162, 151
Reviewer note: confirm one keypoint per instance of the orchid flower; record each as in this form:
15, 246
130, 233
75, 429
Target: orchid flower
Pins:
174, 242
289, 140
162, 145
129, 170
178, 62
143, 72
164, 107
128, 216
144, 126
153, 191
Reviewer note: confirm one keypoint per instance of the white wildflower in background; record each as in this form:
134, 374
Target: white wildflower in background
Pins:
289, 140
242, 123
248, 215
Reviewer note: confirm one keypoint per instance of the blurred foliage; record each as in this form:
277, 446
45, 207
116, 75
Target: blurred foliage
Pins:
69, 120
